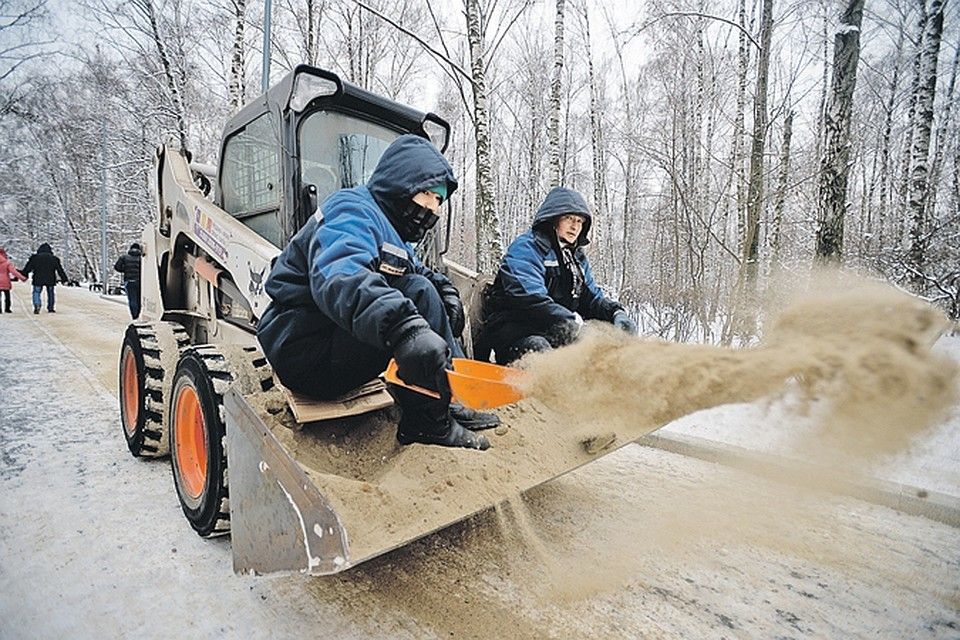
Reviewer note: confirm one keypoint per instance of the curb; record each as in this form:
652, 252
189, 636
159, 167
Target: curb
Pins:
904, 498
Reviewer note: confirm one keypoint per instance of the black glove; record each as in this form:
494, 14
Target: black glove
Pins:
563, 332
453, 306
623, 322
422, 356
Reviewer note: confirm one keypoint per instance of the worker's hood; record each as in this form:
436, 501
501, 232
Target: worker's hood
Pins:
44, 248
561, 201
410, 164
135, 250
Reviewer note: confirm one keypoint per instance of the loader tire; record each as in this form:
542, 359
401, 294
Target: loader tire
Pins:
144, 382
198, 439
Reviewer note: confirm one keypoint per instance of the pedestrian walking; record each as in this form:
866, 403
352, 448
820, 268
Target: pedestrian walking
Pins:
8, 273
46, 270
129, 265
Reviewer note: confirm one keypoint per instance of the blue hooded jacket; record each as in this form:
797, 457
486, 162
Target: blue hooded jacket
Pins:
533, 292
337, 271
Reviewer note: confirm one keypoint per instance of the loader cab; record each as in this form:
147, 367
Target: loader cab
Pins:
309, 135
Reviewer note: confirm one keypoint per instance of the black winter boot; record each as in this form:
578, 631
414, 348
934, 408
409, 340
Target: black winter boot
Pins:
454, 436
36, 310
473, 420
431, 423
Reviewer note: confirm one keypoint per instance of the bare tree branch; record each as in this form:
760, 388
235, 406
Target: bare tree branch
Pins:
697, 14
439, 54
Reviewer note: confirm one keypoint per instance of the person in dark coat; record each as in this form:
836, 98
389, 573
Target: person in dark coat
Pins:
544, 288
348, 293
46, 270
129, 265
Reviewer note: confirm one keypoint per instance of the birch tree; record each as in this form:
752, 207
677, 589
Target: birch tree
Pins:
556, 83
757, 144
238, 83
20, 44
736, 154
832, 198
919, 156
597, 151
783, 178
942, 138
918, 44
489, 239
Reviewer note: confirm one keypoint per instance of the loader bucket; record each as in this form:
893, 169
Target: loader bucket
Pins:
331, 495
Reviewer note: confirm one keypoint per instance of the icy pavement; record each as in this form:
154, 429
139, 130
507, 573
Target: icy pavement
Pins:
92, 541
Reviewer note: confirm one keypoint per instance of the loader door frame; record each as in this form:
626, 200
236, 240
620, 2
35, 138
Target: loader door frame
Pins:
239, 192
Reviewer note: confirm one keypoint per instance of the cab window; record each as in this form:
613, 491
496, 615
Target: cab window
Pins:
338, 151
250, 177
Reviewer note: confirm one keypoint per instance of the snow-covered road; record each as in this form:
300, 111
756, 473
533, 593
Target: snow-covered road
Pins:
93, 544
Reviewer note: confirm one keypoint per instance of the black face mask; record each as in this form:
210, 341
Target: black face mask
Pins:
411, 220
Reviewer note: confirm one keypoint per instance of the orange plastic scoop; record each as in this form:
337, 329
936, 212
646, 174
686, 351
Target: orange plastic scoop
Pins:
474, 384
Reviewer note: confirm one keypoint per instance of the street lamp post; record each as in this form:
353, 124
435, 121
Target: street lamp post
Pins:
265, 81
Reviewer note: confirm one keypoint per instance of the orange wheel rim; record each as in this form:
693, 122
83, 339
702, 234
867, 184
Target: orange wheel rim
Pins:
130, 393
190, 442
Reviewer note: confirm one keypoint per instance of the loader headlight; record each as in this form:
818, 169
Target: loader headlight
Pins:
307, 86
233, 307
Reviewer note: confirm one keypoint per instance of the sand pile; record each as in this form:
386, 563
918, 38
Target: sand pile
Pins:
862, 353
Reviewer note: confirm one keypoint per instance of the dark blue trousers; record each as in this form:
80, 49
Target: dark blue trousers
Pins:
133, 297
338, 362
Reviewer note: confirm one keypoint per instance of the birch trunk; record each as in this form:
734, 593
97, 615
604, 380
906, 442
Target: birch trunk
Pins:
920, 153
556, 82
738, 124
599, 162
310, 38
955, 192
940, 140
489, 240
904, 183
759, 138
884, 177
834, 168
782, 179
237, 86
824, 81
176, 95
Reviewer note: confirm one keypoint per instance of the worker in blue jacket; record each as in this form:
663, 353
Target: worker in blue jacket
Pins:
348, 293
544, 288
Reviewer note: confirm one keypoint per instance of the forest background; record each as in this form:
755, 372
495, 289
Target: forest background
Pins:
719, 144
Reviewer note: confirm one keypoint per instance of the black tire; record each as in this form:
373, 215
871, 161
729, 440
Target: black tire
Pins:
202, 377
143, 384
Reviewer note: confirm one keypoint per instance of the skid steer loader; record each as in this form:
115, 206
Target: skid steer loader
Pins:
194, 384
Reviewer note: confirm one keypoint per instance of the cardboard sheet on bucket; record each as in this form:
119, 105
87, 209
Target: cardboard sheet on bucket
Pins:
371, 396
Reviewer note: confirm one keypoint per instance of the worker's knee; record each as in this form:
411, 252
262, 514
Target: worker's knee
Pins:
532, 343
522, 347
